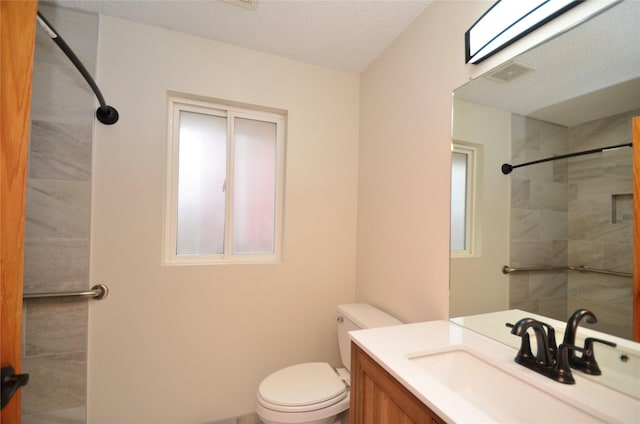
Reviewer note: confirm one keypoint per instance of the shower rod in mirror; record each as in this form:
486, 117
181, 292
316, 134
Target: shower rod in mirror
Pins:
507, 168
106, 114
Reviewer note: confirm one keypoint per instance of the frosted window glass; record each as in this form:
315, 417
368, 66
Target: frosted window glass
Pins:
201, 184
254, 177
458, 200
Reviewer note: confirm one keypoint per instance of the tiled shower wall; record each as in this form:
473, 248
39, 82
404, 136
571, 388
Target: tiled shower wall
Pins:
538, 217
58, 222
601, 222
573, 212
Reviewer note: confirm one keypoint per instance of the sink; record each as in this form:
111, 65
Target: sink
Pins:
620, 366
466, 377
494, 391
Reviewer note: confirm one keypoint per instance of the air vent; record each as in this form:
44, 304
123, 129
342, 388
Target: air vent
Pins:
247, 4
509, 71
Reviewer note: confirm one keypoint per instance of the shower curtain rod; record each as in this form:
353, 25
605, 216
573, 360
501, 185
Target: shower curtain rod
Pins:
507, 168
106, 114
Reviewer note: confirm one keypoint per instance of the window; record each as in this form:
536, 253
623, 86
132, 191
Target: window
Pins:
224, 184
463, 168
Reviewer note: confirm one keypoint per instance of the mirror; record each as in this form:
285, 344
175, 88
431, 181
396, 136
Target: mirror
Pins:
577, 91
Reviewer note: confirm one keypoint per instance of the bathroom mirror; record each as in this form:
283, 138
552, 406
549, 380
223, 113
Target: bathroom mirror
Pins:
577, 91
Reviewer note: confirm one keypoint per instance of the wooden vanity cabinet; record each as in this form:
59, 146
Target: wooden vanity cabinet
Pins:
378, 398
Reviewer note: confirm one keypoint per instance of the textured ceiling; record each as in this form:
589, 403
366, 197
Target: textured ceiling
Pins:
346, 35
587, 73
349, 35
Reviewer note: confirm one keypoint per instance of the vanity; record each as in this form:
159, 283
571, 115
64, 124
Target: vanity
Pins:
445, 372
376, 396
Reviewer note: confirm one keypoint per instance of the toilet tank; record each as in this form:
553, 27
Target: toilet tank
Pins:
358, 316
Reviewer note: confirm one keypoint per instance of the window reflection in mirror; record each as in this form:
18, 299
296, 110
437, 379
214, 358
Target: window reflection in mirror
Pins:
463, 177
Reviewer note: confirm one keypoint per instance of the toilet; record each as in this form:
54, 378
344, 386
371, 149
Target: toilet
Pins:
315, 392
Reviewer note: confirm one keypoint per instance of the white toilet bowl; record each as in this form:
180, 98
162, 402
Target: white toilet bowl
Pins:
310, 393
317, 393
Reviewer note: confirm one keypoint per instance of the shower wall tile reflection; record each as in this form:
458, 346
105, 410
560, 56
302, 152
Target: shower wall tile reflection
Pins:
601, 222
573, 212
58, 222
539, 219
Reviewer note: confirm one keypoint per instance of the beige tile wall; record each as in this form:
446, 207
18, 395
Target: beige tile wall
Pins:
58, 222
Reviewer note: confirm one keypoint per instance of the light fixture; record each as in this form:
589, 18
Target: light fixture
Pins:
507, 21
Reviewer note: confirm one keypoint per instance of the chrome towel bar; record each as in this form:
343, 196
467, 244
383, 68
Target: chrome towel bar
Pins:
98, 292
582, 268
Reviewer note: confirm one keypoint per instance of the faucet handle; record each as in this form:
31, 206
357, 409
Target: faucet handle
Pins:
587, 363
588, 342
562, 369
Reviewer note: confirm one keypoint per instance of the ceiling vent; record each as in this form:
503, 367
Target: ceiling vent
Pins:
247, 4
509, 71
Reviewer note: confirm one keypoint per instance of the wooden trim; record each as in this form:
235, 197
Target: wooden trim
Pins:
17, 44
636, 228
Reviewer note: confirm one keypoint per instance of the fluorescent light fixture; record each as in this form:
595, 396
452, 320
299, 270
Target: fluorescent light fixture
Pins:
507, 21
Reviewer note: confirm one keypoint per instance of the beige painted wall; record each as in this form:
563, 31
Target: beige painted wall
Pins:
477, 284
405, 164
190, 344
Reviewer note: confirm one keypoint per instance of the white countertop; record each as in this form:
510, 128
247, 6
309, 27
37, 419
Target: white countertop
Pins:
393, 346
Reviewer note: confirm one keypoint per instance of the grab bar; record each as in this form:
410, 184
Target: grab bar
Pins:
582, 268
98, 292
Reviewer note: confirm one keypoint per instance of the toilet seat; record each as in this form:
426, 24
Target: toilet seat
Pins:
301, 388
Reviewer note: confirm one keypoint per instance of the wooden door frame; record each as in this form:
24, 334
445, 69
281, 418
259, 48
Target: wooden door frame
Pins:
17, 45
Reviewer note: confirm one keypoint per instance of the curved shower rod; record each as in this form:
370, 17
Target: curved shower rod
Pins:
106, 114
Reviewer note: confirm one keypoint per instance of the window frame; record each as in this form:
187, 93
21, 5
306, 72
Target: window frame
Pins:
178, 103
471, 152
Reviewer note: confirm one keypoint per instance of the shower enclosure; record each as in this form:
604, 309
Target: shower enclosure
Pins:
573, 212
58, 222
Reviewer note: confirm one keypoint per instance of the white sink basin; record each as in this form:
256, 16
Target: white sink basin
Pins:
622, 375
497, 393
